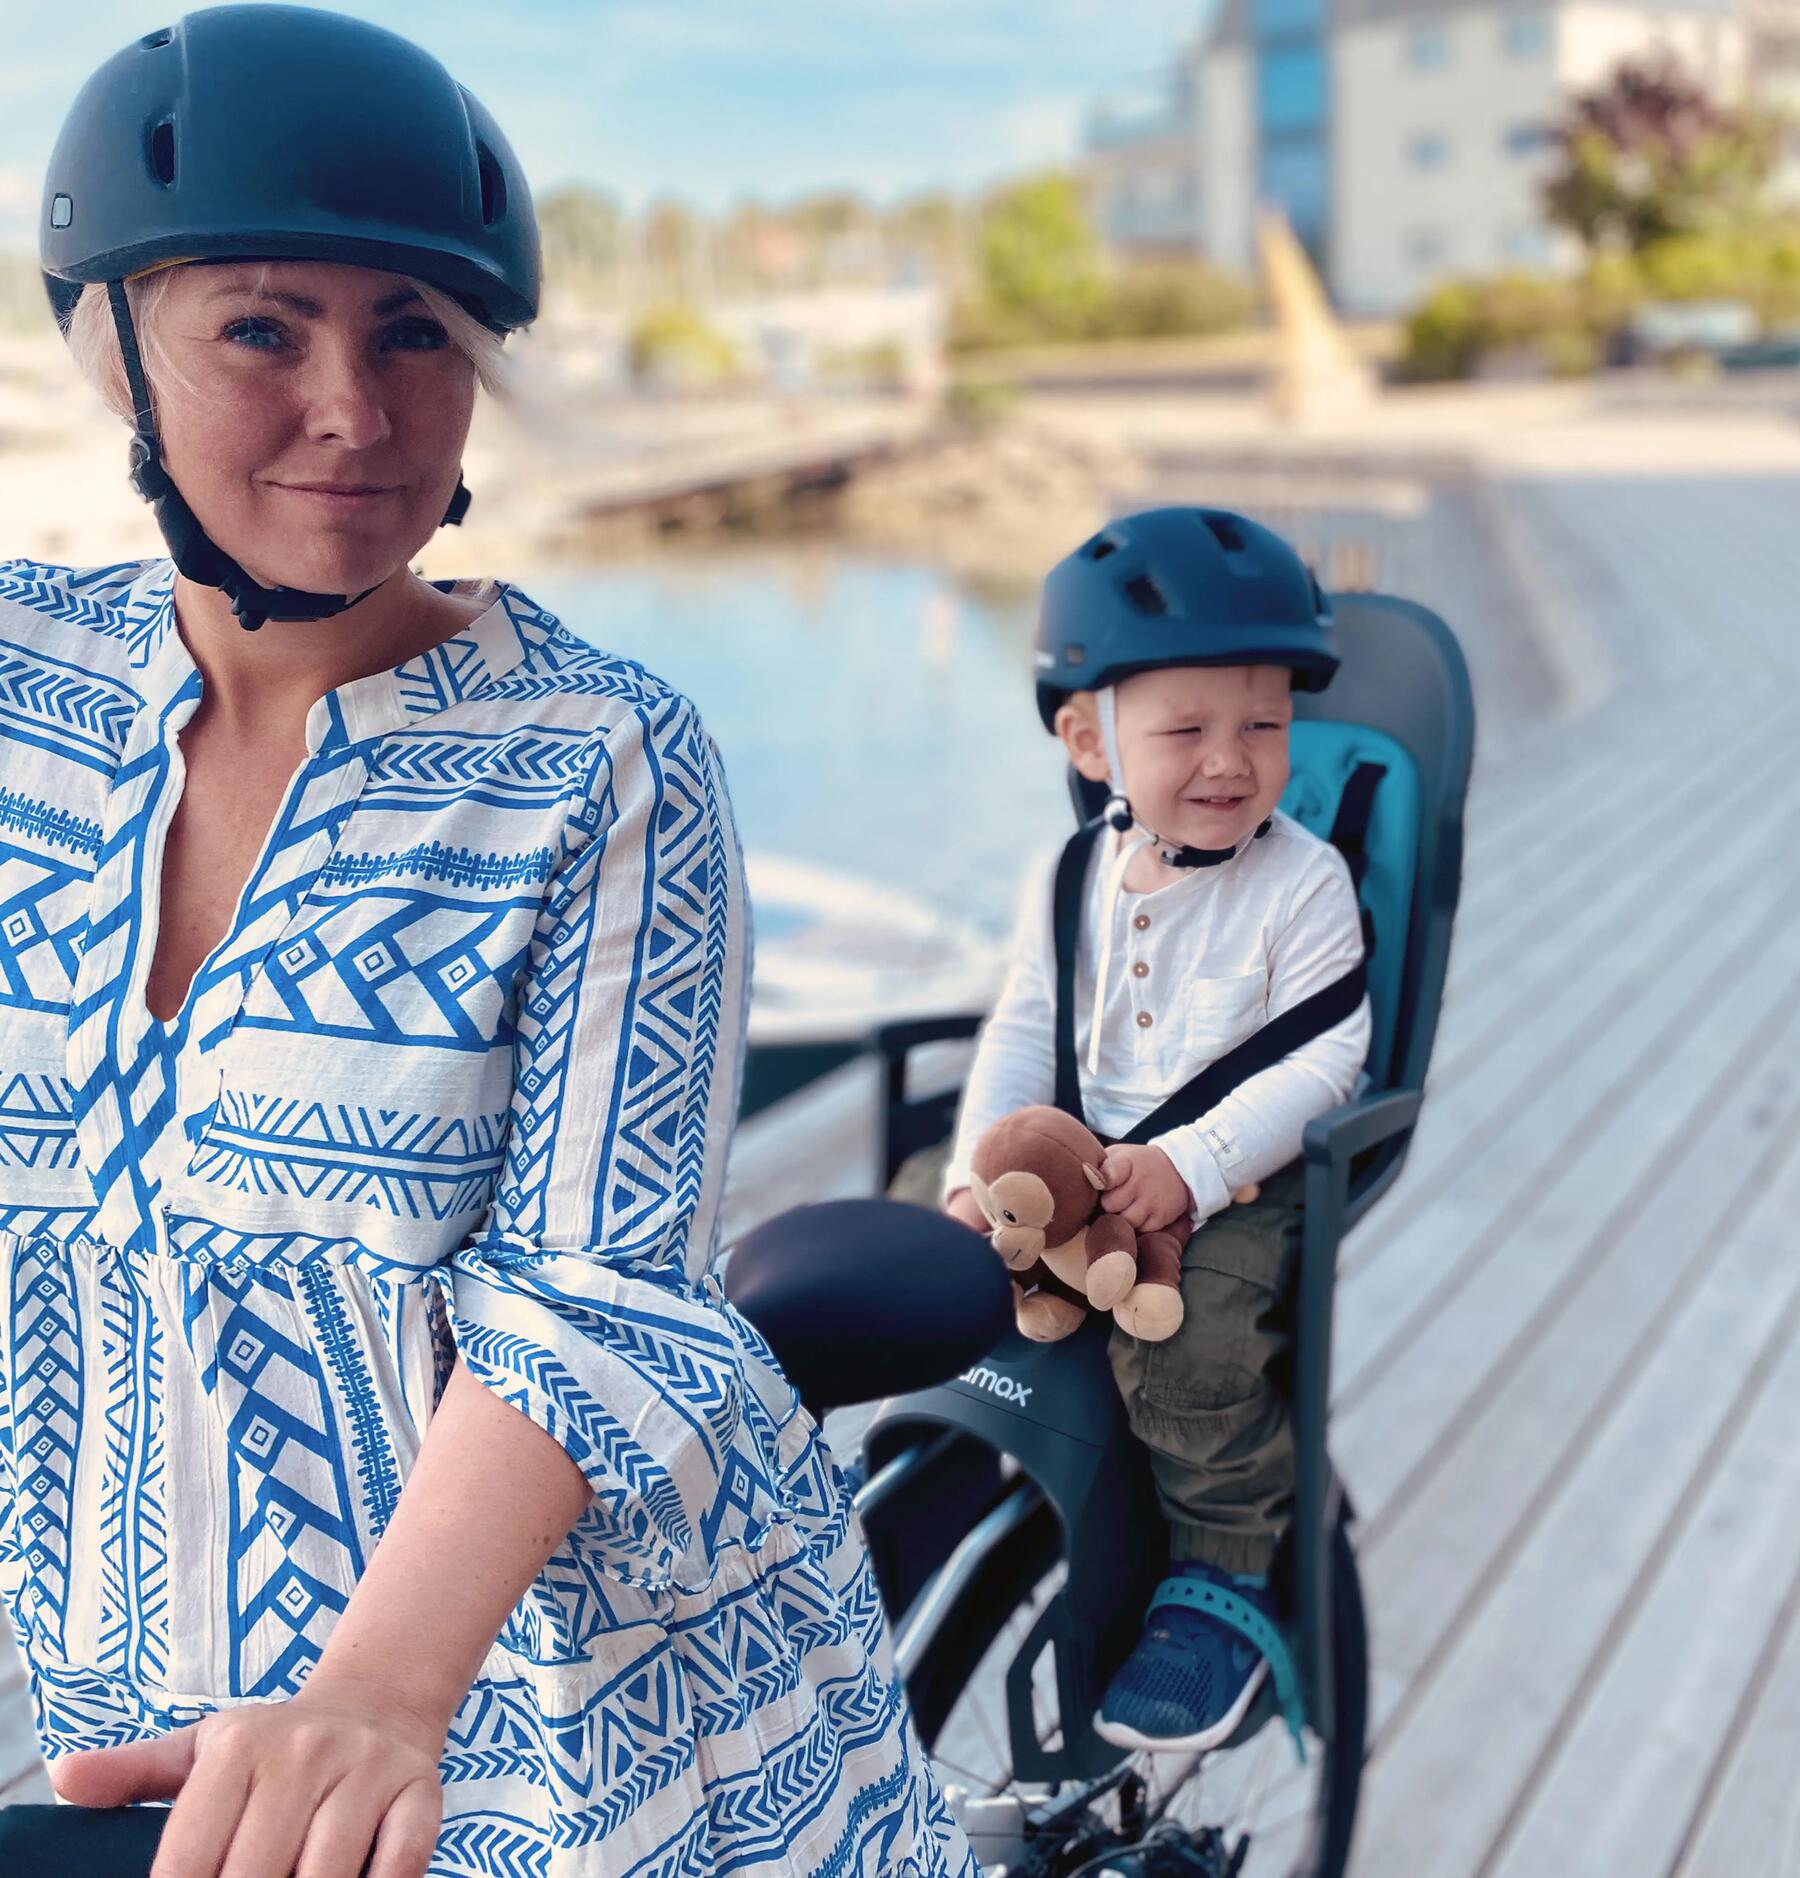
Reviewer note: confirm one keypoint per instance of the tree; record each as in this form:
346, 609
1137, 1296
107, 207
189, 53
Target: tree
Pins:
1040, 261
1649, 154
581, 231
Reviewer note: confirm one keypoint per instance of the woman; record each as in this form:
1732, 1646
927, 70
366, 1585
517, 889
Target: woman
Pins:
372, 1010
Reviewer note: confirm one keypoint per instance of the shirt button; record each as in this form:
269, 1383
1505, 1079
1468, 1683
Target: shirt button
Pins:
1142, 922
1145, 1020
1140, 970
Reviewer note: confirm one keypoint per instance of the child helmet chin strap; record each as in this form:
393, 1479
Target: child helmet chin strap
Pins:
194, 552
1119, 815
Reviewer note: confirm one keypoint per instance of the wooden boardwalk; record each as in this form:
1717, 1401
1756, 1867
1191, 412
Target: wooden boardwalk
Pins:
1568, 1359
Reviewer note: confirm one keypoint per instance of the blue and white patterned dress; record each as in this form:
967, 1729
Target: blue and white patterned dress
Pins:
457, 1081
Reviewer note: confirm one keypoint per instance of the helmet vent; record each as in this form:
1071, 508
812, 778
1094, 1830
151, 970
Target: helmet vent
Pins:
162, 153
1224, 534
151, 41
1100, 547
493, 186
1145, 594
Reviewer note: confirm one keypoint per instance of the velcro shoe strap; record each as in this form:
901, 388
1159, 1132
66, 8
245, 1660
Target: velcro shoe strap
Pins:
1242, 1616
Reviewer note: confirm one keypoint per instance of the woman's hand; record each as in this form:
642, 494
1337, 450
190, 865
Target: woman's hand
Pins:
305, 1786
1144, 1188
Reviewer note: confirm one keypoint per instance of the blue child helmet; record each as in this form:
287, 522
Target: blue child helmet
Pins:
1179, 586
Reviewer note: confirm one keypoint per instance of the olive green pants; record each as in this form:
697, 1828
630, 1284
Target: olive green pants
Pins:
1210, 1403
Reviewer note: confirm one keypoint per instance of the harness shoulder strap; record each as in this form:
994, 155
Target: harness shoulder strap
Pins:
1065, 927
1279, 1037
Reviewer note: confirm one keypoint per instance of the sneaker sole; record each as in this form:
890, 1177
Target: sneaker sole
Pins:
1117, 1735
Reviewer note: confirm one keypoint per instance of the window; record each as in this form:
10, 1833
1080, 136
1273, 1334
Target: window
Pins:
1428, 150
1426, 247
1290, 89
1272, 18
1428, 48
1294, 178
1525, 36
1523, 243
1527, 140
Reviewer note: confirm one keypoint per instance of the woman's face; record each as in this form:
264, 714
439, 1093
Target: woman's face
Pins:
319, 432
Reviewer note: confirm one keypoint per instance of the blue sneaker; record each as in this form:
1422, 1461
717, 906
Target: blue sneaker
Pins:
1204, 1655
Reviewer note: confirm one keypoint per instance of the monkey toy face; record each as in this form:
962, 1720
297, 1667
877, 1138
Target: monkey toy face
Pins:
1034, 1176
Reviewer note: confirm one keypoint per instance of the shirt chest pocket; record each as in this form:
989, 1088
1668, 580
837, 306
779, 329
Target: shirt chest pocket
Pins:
1220, 1013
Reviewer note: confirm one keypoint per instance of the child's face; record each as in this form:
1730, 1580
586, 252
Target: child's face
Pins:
1205, 748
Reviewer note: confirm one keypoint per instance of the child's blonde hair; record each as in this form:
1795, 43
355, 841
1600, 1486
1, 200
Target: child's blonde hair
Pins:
94, 341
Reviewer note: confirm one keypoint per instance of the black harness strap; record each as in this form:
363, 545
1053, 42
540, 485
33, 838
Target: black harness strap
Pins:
1065, 926
1278, 1038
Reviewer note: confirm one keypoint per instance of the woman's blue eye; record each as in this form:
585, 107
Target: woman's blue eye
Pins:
251, 331
419, 334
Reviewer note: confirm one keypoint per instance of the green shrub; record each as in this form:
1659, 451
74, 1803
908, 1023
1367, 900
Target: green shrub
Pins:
674, 345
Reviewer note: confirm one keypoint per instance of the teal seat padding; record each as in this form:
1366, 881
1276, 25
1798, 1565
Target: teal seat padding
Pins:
1323, 754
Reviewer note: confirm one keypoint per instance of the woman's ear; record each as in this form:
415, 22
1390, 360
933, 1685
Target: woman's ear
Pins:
1077, 723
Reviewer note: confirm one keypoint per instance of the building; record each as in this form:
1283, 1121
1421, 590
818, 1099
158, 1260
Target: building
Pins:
1407, 140
1142, 165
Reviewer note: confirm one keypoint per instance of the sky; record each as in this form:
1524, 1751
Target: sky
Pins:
709, 99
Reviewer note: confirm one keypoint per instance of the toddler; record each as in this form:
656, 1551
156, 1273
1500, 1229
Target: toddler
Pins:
1168, 648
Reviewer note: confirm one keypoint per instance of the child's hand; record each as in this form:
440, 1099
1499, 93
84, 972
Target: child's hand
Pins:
1143, 1187
961, 1205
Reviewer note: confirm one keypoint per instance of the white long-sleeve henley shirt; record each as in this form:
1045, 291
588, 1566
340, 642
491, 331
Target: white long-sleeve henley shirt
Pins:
1197, 966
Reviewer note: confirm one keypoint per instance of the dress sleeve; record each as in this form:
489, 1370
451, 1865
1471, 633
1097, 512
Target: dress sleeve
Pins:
583, 1298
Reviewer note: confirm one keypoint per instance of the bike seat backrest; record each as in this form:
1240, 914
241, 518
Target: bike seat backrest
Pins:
1323, 756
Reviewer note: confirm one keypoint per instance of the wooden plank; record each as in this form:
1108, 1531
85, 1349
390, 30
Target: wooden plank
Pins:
1527, 1212
1439, 1550
1496, 1142
1592, 864
1748, 1823
1627, 1765
1586, 782
1450, 1770
1541, 946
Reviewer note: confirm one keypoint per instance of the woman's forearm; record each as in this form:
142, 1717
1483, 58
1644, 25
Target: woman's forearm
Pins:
490, 1497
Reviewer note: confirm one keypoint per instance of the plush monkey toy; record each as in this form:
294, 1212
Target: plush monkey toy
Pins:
1036, 1177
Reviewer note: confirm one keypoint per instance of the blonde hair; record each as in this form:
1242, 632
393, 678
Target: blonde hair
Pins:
94, 341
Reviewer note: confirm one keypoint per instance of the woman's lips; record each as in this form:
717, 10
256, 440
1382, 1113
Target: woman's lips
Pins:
345, 499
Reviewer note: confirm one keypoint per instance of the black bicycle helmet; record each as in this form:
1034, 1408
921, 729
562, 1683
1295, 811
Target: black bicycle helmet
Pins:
272, 132
1179, 586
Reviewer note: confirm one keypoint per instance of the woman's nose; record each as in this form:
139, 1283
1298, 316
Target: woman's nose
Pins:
344, 403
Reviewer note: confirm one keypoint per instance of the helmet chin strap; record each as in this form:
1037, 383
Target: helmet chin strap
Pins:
193, 551
1119, 815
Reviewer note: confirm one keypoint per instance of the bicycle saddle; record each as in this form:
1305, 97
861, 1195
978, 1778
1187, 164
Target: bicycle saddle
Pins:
861, 1299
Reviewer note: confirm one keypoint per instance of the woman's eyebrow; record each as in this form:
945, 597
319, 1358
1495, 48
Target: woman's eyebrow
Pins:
309, 309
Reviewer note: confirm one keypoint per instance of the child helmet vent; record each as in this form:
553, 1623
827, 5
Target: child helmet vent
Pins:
1100, 547
151, 41
1146, 595
1224, 533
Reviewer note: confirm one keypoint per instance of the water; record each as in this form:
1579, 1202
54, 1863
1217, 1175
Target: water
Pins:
874, 715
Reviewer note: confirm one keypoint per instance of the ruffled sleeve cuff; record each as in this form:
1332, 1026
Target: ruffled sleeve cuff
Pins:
630, 1369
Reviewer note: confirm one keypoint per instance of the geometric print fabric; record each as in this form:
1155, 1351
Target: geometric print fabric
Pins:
456, 1085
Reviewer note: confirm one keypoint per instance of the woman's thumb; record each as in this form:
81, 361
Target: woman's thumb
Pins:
140, 1770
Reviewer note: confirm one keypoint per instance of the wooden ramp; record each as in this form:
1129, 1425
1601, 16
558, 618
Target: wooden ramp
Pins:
1567, 1364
